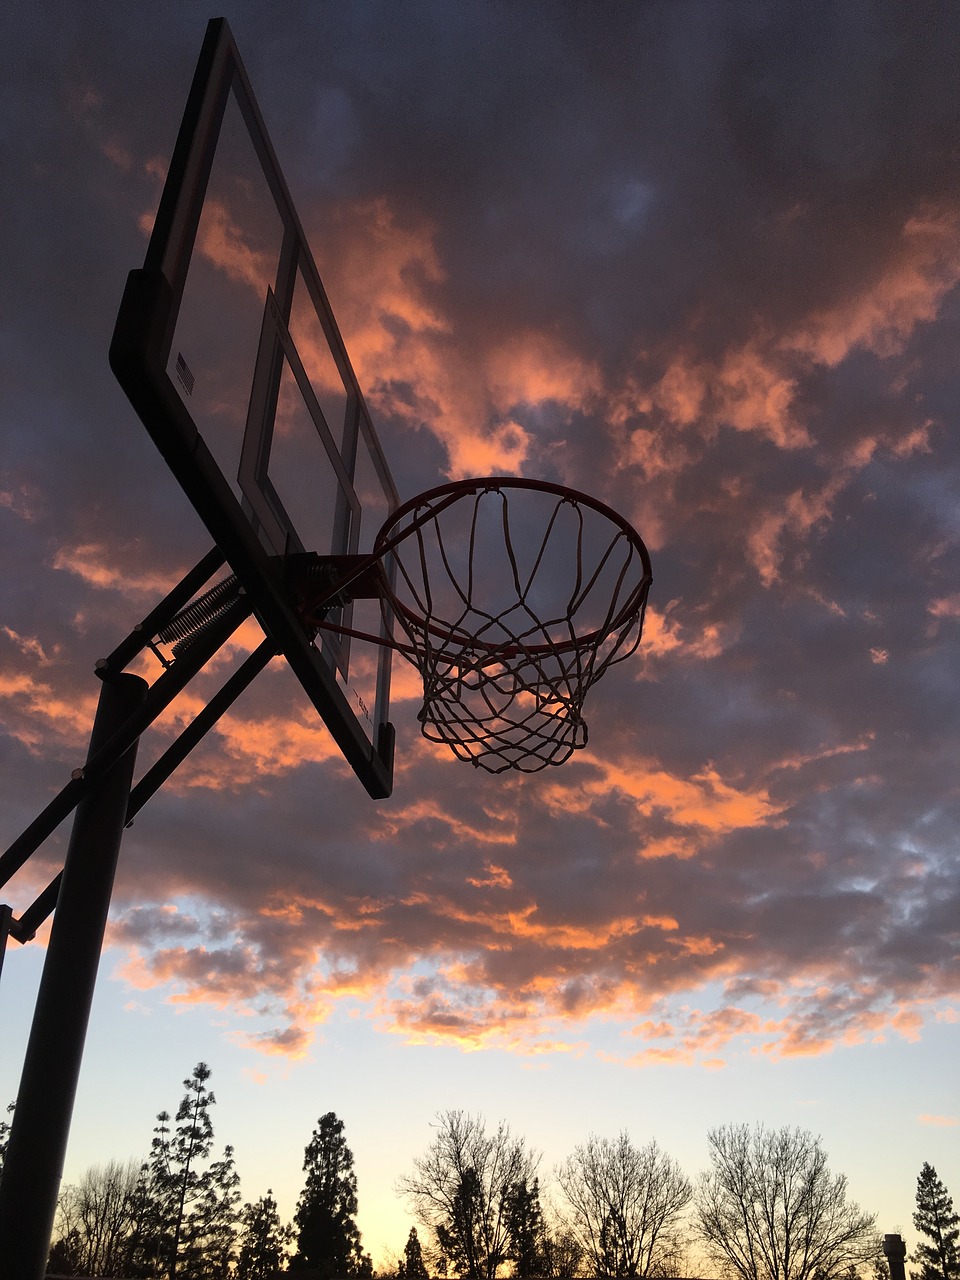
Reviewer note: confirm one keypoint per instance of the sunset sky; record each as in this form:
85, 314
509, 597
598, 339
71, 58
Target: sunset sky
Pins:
700, 260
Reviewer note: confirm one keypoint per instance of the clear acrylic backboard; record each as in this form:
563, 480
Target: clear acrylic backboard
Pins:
228, 349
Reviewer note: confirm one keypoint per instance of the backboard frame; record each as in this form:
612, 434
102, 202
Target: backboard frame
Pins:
247, 529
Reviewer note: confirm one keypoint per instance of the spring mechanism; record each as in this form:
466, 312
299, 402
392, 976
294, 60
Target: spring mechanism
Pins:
199, 615
319, 581
315, 581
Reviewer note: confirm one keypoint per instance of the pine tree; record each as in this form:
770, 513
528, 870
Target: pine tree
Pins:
413, 1266
263, 1240
173, 1182
141, 1253
157, 1197
192, 1141
525, 1226
462, 1237
210, 1231
936, 1219
327, 1235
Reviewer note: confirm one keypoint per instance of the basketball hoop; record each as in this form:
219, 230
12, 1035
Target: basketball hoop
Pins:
513, 597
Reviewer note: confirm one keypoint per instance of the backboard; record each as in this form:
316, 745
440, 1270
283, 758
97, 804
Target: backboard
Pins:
227, 348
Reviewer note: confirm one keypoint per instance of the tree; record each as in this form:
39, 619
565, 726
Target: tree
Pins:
186, 1209
769, 1209
327, 1238
459, 1190
141, 1257
936, 1219
625, 1204
64, 1258
563, 1254
210, 1231
525, 1228
413, 1264
156, 1198
191, 1143
5, 1134
462, 1237
263, 1240
96, 1218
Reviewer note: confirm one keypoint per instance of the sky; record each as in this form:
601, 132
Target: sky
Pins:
699, 260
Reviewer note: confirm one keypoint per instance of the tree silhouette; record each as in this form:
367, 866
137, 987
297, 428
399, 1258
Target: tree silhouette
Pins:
158, 1197
187, 1213
327, 1235
526, 1231
96, 1219
263, 1240
563, 1254
458, 1189
65, 1258
625, 1203
413, 1264
461, 1238
5, 1134
769, 1209
210, 1232
191, 1143
936, 1219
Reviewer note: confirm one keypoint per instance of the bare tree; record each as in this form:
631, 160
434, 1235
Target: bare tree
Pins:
460, 1189
97, 1215
625, 1204
769, 1209
563, 1254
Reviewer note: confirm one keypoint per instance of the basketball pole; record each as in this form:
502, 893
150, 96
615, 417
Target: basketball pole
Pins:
30, 1182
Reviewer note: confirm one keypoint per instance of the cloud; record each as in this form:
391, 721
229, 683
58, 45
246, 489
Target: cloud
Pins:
705, 274
703, 800
911, 285
99, 567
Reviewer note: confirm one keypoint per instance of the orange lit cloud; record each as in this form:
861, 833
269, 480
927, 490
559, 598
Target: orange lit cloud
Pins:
744, 390
798, 516
885, 313
98, 566
534, 369
37, 715
380, 279
31, 647
945, 607
223, 243
495, 877
664, 634
22, 499
702, 800
447, 827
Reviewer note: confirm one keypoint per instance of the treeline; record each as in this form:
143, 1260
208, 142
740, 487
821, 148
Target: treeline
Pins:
766, 1208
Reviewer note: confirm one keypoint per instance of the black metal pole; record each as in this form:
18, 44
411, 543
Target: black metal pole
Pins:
43, 905
41, 1121
162, 692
